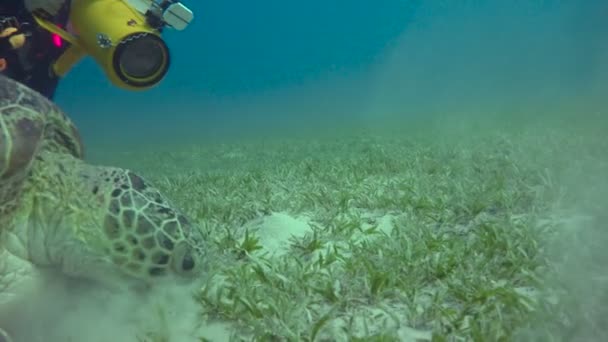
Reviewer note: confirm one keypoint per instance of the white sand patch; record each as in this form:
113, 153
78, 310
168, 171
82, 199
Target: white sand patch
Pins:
376, 225
276, 230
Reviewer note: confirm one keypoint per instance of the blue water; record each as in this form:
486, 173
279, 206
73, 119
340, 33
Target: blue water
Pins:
243, 66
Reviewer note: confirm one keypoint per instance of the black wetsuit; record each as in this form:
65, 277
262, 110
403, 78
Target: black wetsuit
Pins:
31, 64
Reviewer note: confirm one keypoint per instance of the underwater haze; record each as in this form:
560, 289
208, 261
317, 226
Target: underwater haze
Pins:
242, 63
359, 171
274, 67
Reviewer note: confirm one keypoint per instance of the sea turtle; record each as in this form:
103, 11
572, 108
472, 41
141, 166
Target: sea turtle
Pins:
61, 214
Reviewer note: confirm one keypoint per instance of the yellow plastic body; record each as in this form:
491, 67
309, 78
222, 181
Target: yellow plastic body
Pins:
115, 20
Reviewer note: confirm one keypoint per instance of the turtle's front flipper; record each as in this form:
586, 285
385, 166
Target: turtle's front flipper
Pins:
117, 218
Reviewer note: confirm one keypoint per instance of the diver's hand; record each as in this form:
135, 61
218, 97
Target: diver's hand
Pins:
14, 40
10, 39
50, 6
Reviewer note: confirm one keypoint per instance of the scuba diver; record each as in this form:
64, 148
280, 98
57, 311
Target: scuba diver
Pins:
41, 40
26, 50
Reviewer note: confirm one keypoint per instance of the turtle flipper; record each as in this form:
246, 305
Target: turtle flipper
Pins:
28, 123
20, 136
19, 141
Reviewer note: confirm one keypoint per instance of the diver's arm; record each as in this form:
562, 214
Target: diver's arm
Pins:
11, 36
26, 52
11, 39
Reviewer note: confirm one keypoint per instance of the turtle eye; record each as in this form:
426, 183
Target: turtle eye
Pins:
187, 262
184, 261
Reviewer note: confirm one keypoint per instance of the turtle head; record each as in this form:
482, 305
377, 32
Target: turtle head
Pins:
134, 228
97, 221
146, 236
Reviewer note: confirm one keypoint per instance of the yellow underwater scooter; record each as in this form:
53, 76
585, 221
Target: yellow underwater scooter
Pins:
123, 36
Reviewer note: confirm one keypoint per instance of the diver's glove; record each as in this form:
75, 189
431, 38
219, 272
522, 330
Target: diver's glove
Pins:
11, 39
52, 7
11, 36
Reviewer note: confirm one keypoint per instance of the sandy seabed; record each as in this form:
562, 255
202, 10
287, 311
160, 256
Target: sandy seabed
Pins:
372, 237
